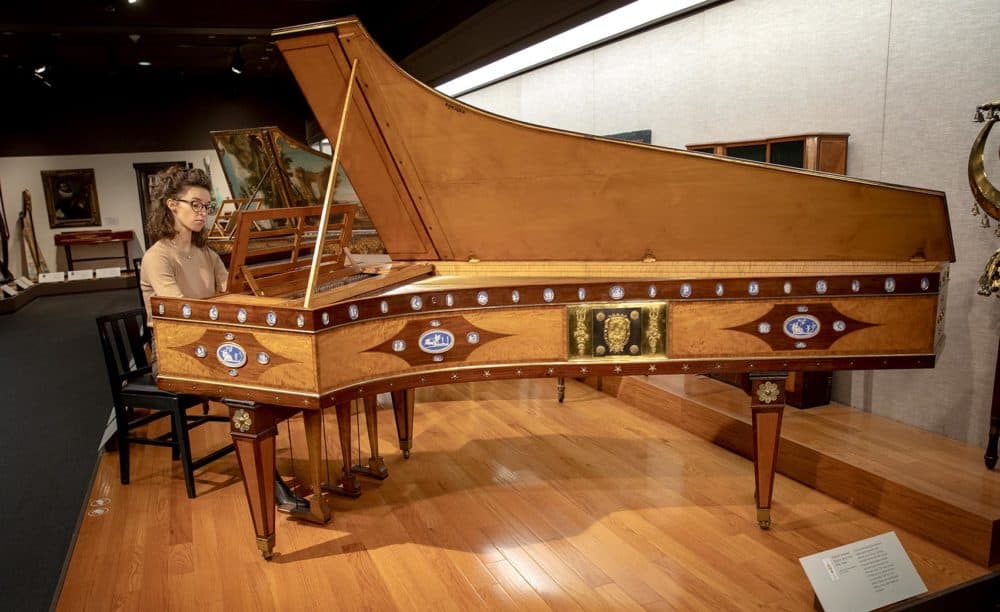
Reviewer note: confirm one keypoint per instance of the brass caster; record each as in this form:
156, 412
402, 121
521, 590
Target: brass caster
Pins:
266, 547
375, 469
764, 518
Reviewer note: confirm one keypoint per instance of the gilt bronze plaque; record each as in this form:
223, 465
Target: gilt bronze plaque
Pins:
617, 330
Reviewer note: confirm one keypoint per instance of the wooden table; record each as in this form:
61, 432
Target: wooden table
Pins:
69, 239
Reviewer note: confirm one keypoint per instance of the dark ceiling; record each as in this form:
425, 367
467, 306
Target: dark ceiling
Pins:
101, 42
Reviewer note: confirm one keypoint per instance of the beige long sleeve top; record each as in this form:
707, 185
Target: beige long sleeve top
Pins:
168, 273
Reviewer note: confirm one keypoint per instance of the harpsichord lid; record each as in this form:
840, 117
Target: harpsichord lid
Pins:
444, 180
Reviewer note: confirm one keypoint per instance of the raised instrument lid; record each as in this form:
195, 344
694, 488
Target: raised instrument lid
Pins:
443, 180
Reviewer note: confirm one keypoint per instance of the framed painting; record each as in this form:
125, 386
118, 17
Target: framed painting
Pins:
147, 182
71, 198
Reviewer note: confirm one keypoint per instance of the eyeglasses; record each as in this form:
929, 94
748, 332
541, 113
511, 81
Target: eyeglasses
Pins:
198, 206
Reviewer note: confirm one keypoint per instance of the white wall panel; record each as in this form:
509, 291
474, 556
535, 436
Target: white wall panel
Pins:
901, 76
117, 197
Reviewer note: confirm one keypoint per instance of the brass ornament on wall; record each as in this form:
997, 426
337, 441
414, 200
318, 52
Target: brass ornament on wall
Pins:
987, 196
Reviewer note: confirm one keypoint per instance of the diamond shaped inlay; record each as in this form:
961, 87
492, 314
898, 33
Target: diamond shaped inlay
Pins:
828, 316
408, 339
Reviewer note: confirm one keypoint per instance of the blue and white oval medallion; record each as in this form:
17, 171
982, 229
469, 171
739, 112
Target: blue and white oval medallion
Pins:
231, 355
436, 341
801, 326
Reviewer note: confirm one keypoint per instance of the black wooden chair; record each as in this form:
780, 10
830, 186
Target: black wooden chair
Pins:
124, 338
137, 266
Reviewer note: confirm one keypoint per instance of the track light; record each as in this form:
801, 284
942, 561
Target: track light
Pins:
41, 69
237, 65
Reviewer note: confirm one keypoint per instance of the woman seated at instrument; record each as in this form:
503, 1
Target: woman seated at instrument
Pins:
179, 264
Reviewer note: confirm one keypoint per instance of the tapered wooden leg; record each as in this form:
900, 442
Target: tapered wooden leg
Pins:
402, 406
990, 458
318, 511
376, 465
991, 445
253, 429
767, 405
348, 484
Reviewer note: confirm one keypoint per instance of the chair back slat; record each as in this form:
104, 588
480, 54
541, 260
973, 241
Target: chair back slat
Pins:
135, 332
123, 338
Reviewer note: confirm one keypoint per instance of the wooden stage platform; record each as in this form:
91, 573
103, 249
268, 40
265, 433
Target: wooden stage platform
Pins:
510, 500
925, 483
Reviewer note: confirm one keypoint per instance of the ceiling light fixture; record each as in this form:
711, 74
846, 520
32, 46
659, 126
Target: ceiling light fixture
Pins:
41, 69
607, 27
145, 63
133, 1
237, 65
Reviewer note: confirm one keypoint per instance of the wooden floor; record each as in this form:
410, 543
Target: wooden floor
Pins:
509, 501
933, 486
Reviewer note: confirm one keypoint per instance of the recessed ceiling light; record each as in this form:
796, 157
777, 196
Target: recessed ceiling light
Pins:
145, 63
609, 26
133, 1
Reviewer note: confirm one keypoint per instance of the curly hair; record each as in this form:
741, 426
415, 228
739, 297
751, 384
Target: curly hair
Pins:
172, 182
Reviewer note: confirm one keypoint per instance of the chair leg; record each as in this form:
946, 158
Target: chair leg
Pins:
204, 408
121, 421
183, 447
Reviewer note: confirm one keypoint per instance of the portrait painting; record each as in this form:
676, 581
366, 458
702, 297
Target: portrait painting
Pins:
71, 198
246, 165
147, 178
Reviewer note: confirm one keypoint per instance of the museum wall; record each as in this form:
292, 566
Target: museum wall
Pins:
117, 196
903, 78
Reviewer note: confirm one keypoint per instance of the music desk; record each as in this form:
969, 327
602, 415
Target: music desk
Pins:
67, 240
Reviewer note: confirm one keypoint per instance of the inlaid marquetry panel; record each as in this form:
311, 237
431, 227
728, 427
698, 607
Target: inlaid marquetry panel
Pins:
870, 325
364, 351
290, 362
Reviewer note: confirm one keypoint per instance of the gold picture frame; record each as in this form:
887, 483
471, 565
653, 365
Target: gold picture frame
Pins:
71, 198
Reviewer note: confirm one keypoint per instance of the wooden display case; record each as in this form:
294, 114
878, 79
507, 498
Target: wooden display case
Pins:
825, 152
